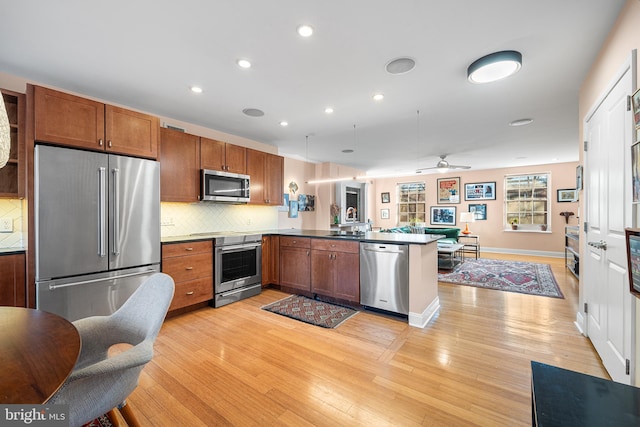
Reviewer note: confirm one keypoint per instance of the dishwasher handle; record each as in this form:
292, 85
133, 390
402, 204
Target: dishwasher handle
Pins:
396, 249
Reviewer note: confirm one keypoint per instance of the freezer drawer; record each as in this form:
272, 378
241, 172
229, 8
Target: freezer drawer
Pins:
384, 277
90, 295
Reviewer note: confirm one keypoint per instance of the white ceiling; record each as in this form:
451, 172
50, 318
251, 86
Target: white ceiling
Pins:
146, 54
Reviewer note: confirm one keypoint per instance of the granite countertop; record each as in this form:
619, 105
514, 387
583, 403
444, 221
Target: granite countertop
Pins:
370, 236
10, 251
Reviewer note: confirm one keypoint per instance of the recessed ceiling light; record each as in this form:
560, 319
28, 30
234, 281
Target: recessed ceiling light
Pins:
305, 30
347, 151
521, 122
196, 89
378, 97
284, 123
253, 112
494, 66
328, 110
400, 65
243, 63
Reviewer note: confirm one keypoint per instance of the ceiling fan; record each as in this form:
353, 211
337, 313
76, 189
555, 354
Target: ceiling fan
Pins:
443, 165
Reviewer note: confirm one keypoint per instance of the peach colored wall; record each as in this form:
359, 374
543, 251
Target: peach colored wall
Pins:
623, 38
492, 233
299, 172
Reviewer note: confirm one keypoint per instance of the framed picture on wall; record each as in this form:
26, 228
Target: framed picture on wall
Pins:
579, 177
443, 215
567, 195
449, 190
384, 213
479, 211
386, 198
635, 100
635, 171
480, 191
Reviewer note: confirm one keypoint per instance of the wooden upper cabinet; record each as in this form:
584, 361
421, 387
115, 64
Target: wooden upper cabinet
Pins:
267, 177
79, 122
130, 132
179, 166
12, 175
220, 156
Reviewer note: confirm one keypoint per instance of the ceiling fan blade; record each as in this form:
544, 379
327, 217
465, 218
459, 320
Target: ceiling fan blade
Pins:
459, 167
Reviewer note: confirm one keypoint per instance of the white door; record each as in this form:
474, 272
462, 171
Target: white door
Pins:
607, 181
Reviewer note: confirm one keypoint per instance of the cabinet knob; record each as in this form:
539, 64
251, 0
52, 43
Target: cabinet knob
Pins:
100, 142
188, 249
190, 293
110, 145
189, 268
294, 242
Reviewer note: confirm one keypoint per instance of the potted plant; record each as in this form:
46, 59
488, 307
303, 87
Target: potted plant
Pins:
514, 224
543, 227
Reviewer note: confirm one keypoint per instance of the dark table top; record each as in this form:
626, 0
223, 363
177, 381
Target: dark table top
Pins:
38, 351
566, 398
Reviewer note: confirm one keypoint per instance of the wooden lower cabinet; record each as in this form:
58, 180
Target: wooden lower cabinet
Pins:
270, 260
335, 269
12, 280
295, 262
190, 265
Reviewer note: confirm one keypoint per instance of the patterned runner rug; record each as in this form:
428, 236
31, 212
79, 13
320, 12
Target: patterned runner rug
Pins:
511, 276
308, 310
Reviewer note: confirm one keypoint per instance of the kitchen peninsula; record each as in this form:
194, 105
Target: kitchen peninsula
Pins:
328, 264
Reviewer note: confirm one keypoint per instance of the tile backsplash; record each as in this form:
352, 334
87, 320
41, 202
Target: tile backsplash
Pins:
180, 219
13, 209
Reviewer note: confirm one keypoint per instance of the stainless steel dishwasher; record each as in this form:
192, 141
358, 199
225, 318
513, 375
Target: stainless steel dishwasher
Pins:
384, 276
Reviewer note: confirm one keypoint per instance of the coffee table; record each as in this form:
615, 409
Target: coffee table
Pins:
450, 255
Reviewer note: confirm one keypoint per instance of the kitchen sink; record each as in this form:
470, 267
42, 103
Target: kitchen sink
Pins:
347, 234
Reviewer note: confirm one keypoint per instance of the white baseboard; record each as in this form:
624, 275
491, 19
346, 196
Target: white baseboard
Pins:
420, 320
523, 252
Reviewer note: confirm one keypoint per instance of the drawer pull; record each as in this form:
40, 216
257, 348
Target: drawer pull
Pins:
294, 242
188, 268
188, 249
190, 293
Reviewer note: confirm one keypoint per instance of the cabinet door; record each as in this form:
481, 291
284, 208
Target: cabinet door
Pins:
12, 280
322, 272
12, 175
347, 276
236, 159
68, 120
130, 132
255, 169
270, 260
295, 267
179, 166
212, 154
274, 178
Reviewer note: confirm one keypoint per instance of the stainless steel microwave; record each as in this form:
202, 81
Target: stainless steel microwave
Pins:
227, 187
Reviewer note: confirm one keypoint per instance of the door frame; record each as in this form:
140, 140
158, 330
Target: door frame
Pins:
631, 210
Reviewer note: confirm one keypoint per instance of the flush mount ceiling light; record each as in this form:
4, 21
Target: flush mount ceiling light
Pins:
400, 65
521, 122
253, 112
284, 123
328, 110
305, 30
378, 97
494, 66
243, 63
196, 89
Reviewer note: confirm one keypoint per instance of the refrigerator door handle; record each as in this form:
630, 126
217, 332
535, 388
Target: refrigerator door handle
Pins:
84, 282
116, 212
102, 211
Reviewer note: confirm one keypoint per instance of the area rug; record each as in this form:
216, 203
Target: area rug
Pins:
510, 276
311, 311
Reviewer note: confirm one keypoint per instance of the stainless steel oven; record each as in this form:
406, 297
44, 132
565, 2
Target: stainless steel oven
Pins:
237, 268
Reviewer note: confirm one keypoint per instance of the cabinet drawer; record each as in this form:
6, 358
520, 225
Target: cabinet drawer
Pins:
335, 245
188, 248
296, 242
192, 292
189, 267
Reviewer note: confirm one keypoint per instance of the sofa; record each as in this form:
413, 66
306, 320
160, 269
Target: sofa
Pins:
451, 233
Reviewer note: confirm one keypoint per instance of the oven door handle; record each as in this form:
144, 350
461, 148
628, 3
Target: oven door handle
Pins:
240, 246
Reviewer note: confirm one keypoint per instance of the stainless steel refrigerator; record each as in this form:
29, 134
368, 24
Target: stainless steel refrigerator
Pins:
97, 229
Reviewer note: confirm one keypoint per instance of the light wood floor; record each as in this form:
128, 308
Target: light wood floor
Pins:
240, 365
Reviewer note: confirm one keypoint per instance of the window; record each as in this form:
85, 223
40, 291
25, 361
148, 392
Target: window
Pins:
412, 206
526, 201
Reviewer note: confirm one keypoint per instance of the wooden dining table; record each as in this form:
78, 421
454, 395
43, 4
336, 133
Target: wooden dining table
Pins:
38, 351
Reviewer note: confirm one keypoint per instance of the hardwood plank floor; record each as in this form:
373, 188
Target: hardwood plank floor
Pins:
240, 365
